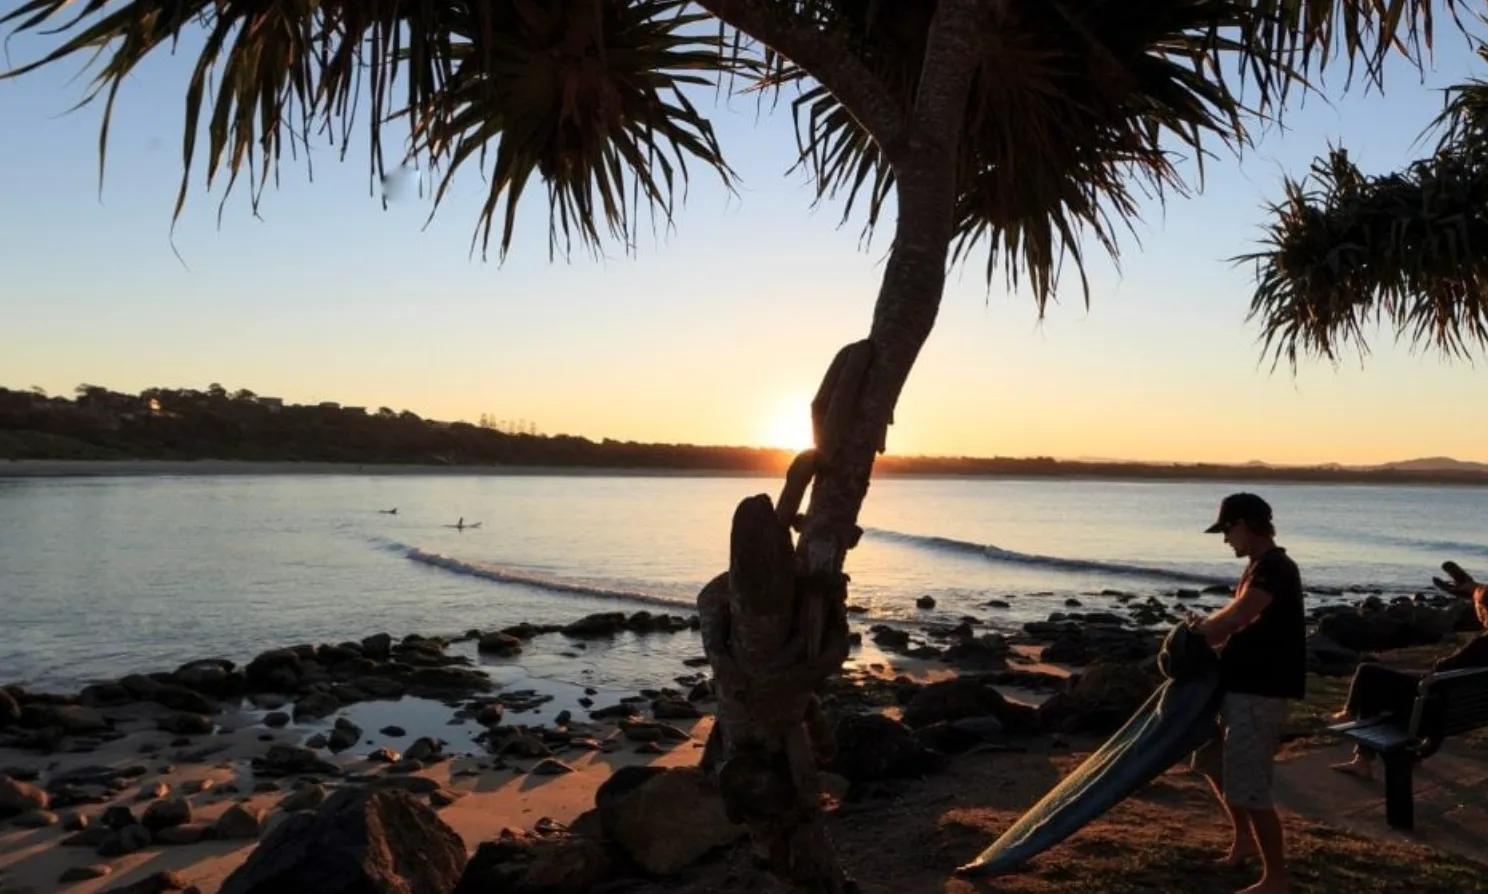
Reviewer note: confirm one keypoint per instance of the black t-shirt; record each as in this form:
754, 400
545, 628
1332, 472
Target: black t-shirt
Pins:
1270, 656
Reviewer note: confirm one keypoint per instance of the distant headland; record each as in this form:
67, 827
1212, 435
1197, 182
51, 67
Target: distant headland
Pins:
228, 431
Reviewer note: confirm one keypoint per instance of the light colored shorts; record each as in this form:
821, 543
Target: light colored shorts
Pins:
1242, 759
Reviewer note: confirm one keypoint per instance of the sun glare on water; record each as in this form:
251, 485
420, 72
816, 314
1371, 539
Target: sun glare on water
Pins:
790, 426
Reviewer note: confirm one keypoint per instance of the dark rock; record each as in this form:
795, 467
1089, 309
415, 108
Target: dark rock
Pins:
424, 749
987, 650
308, 798
527, 864
926, 602
393, 731
1367, 632
277, 670
872, 747
166, 813
103, 695
596, 625
127, 840
890, 638
171, 695
503, 645
668, 708
315, 706
288, 760
952, 700
361, 841
215, 677
239, 822
117, 817
551, 767
1327, 658
343, 737
378, 646
1101, 699
956, 736
667, 820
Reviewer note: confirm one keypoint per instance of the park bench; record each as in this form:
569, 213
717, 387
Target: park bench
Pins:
1448, 703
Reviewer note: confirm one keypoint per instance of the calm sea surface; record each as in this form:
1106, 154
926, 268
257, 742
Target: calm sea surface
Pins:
105, 576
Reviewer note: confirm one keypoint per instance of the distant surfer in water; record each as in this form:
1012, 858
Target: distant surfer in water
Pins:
392, 511
1262, 641
460, 525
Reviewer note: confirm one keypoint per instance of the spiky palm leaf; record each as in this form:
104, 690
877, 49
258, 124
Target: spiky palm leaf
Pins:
1345, 251
1079, 105
586, 95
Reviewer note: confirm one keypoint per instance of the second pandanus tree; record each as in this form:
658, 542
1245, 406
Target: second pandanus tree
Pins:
1024, 130
1346, 252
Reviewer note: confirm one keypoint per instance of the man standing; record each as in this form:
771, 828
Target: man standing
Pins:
1262, 641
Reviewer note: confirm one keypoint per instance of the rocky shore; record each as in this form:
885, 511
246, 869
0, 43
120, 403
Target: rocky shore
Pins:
159, 782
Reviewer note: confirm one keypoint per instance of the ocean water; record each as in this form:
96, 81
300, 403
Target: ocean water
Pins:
105, 576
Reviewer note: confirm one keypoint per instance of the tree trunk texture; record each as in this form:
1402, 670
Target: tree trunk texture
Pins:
774, 626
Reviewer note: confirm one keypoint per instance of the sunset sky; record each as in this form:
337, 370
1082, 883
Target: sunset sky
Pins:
717, 332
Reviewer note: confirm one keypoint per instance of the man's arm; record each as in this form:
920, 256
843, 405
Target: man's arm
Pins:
1235, 617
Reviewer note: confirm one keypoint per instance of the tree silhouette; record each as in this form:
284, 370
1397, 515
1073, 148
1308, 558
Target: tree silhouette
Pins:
1014, 127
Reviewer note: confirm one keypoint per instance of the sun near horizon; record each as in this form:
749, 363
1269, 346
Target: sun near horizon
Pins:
788, 425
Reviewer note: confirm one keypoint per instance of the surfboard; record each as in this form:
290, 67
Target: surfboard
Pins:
1175, 720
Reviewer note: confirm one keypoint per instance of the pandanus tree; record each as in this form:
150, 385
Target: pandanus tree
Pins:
1346, 251
1023, 130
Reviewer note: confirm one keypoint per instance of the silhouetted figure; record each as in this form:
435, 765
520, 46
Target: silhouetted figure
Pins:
460, 525
392, 511
1378, 690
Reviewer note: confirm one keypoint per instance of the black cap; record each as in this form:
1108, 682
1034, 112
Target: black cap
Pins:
1240, 507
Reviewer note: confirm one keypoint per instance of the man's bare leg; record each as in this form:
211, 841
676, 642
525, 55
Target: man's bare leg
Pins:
1244, 845
1266, 826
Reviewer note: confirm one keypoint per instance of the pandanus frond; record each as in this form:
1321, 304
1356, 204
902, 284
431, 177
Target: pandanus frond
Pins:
586, 96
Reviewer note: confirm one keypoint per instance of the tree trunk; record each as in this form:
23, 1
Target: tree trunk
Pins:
775, 625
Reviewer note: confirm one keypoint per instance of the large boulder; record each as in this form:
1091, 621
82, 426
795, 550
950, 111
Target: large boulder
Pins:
1327, 658
278, 670
361, 841
1101, 699
872, 747
519, 863
665, 819
215, 677
954, 699
1361, 631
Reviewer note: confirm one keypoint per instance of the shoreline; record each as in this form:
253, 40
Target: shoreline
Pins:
209, 759
14, 469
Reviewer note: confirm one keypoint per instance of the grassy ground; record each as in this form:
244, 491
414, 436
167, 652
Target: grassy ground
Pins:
1165, 839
